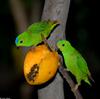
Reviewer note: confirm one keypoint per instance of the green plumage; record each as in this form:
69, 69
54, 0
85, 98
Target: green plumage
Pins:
32, 35
74, 61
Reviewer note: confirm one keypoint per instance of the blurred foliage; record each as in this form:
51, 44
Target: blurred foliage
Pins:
4, 7
28, 3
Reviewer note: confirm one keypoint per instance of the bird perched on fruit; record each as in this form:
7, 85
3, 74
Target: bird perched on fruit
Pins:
32, 35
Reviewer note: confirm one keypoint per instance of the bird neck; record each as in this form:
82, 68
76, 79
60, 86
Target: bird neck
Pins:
68, 50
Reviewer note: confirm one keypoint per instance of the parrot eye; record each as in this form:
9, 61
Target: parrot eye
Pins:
21, 41
63, 44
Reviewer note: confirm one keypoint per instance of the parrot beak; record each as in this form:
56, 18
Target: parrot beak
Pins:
18, 47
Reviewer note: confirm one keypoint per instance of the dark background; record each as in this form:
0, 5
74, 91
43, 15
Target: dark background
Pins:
82, 30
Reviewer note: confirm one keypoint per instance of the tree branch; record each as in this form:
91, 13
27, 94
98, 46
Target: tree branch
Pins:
55, 10
19, 15
70, 82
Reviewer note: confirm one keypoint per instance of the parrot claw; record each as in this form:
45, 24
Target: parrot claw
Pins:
75, 88
46, 43
68, 70
17, 47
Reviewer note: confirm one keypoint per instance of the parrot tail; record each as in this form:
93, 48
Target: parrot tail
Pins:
90, 77
87, 81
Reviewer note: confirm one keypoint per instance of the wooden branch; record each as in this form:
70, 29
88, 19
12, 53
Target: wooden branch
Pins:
36, 10
55, 10
70, 82
68, 79
19, 15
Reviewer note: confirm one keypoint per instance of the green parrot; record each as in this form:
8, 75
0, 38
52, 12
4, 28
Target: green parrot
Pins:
74, 62
35, 33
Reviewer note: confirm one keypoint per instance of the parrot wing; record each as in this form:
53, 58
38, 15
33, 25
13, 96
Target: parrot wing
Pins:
82, 64
38, 27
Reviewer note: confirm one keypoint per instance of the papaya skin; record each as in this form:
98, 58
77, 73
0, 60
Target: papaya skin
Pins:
40, 65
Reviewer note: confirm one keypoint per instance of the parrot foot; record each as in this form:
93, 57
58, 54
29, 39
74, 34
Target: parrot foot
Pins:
75, 88
46, 43
67, 70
